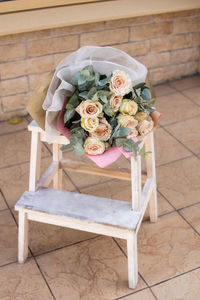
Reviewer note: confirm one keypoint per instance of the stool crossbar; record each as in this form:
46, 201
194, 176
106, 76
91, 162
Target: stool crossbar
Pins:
120, 219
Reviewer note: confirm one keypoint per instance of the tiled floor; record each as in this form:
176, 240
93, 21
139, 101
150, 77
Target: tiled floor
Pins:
65, 264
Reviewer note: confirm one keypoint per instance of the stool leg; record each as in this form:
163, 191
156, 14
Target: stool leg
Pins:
34, 160
151, 172
22, 237
132, 260
136, 183
57, 155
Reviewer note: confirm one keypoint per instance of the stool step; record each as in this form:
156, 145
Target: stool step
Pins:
80, 207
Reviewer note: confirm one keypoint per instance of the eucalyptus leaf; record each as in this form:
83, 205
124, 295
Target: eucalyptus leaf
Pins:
73, 100
70, 112
122, 131
108, 110
90, 69
84, 95
91, 93
78, 149
65, 147
139, 85
146, 94
75, 78
81, 80
120, 141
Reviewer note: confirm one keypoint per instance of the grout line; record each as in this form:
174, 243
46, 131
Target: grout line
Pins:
65, 246
133, 293
175, 276
180, 142
176, 122
19, 164
10, 263
174, 161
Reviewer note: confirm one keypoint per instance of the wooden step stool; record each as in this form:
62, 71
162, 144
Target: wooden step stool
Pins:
109, 217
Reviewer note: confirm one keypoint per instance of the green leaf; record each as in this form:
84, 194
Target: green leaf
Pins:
90, 69
77, 133
84, 95
107, 108
113, 133
120, 141
73, 100
75, 78
81, 80
139, 85
78, 149
85, 73
123, 131
76, 122
146, 94
70, 112
91, 93
64, 147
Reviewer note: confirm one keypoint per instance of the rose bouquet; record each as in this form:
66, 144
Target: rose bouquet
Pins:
107, 111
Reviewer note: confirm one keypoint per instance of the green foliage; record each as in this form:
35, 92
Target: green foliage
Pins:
70, 112
108, 110
76, 141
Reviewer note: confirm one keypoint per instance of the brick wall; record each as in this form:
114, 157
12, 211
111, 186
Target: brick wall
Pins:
167, 44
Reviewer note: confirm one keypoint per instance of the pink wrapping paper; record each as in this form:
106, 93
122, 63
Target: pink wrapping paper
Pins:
103, 160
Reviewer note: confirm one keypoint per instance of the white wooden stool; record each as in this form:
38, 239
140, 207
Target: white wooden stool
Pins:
114, 218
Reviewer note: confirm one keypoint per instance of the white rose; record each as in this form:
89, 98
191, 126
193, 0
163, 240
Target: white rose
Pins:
145, 127
93, 146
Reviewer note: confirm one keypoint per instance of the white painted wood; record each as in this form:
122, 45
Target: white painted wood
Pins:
81, 207
151, 172
22, 237
85, 212
39, 156
33, 160
132, 260
57, 155
48, 175
136, 183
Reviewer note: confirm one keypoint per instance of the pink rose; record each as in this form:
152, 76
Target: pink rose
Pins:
115, 102
89, 109
120, 83
103, 131
93, 146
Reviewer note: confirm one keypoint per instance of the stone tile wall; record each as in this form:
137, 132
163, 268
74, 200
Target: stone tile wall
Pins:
168, 44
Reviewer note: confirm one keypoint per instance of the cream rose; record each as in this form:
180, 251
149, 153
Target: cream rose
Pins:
127, 121
141, 116
94, 146
132, 133
89, 124
115, 102
89, 109
103, 131
128, 107
145, 127
120, 83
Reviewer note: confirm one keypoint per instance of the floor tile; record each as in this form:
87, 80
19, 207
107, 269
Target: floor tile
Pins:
166, 248
6, 127
45, 237
179, 181
193, 94
185, 287
2, 203
186, 83
14, 181
167, 149
176, 107
163, 207
163, 89
143, 295
121, 190
192, 215
8, 238
188, 133
94, 269
84, 180
23, 282
15, 148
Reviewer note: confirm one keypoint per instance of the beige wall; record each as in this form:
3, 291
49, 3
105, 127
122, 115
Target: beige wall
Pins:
167, 44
